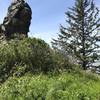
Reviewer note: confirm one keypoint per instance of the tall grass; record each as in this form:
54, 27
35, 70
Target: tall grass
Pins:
64, 86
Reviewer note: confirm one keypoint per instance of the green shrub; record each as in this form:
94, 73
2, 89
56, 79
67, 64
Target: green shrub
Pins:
18, 57
65, 86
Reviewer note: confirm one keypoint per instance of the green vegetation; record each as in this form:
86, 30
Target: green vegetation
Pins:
80, 37
65, 86
18, 57
31, 70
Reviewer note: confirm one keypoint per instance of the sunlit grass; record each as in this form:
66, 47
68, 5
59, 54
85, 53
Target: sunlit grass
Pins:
65, 86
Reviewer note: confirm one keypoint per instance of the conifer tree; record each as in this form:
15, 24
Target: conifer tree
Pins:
80, 37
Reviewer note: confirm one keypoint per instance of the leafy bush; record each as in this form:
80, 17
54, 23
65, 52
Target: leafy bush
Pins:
18, 57
63, 86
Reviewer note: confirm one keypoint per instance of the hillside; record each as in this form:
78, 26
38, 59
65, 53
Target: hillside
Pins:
31, 70
65, 86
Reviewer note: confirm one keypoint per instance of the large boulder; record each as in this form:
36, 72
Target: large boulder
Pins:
18, 19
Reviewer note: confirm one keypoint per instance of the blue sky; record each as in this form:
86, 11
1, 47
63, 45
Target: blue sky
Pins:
46, 18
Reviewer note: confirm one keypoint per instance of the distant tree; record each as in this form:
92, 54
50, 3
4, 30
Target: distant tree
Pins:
80, 38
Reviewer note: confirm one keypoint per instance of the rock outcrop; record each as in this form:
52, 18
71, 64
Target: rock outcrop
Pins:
18, 19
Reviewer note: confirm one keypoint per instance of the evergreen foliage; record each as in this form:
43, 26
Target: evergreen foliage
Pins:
80, 37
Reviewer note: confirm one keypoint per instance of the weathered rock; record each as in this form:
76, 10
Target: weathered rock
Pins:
18, 19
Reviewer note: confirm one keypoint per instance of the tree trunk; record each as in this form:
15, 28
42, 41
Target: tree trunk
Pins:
84, 65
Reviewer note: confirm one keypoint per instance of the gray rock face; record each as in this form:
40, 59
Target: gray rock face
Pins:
18, 19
